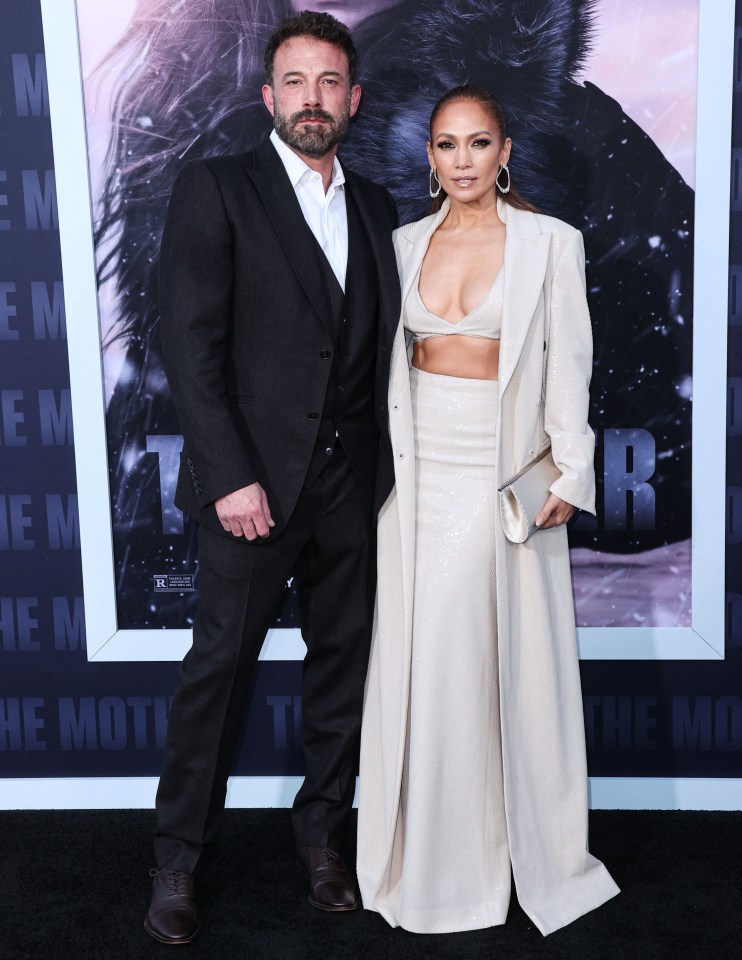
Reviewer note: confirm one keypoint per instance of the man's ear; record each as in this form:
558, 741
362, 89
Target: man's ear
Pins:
268, 97
355, 99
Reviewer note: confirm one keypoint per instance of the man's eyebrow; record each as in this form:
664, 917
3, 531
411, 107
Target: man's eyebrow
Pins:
301, 73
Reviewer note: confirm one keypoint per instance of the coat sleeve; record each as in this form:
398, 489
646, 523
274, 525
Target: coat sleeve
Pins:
196, 290
569, 356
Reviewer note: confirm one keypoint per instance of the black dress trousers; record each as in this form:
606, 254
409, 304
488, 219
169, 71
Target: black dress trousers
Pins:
328, 545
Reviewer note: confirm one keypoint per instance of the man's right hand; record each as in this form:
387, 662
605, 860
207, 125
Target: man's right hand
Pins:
245, 512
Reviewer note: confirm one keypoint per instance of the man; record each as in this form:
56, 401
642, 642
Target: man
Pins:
279, 297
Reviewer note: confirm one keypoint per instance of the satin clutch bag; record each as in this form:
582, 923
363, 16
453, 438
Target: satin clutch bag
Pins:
524, 495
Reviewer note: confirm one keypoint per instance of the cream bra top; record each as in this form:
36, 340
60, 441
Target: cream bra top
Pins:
485, 320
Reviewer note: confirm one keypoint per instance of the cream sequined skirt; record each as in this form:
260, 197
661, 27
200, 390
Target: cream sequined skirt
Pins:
453, 865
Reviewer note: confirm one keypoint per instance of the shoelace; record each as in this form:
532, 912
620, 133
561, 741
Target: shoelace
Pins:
331, 857
177, 883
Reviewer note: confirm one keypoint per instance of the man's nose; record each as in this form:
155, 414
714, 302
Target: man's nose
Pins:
312, 95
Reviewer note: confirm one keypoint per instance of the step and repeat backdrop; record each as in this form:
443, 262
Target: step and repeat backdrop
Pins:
621, 123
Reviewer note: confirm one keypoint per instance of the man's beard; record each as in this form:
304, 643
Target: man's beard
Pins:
313, 140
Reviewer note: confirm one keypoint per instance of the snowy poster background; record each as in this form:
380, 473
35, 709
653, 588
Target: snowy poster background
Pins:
602, 114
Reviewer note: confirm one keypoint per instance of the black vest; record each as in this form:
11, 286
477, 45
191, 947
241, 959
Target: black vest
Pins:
348, 409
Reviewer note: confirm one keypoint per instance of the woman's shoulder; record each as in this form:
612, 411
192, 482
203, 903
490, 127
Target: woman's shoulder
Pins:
564, 237
558, 227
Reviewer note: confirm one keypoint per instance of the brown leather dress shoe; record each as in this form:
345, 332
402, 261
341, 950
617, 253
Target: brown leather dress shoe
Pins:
172, 916
331, 885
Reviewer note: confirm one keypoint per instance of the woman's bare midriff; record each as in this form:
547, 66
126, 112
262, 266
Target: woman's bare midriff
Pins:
473, 358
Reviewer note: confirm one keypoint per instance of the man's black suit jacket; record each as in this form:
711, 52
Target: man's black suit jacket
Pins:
245, 328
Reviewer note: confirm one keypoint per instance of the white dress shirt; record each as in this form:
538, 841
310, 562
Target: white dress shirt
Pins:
324, 212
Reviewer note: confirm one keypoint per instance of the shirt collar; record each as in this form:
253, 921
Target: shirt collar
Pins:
296, 168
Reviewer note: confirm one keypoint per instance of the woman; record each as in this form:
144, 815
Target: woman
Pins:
473, 754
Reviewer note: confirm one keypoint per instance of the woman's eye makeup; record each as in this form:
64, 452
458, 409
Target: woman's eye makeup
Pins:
479, 142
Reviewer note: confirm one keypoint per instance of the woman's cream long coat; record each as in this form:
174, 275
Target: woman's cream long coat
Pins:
544, 371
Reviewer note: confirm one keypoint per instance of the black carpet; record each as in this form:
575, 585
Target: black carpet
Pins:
74, 884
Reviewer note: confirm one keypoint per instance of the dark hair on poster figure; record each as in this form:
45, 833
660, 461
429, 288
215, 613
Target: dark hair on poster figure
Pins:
318, 26
475, 94
189, 88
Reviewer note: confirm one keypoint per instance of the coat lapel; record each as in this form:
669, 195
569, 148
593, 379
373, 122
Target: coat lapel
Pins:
382, 249
526, 259
279, 199
412, 245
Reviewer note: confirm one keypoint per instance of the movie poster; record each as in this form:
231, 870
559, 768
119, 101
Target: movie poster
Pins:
601, 105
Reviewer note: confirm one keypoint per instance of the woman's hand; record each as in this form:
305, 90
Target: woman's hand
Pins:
554, 512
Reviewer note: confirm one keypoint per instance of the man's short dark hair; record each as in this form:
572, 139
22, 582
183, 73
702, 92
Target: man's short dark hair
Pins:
319, 26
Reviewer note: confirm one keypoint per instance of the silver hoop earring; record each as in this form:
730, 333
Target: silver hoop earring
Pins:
505, 189
431, 177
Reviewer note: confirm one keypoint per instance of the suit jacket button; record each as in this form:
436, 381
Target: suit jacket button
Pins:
328, 451
312, 415
325, 354
341, 388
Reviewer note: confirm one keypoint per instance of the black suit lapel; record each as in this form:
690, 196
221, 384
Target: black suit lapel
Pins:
383, 253
362, 279
279, 199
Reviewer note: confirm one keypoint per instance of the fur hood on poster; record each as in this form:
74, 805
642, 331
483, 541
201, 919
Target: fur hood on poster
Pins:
525, 53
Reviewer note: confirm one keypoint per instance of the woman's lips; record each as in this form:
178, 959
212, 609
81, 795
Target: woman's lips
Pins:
464, 181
